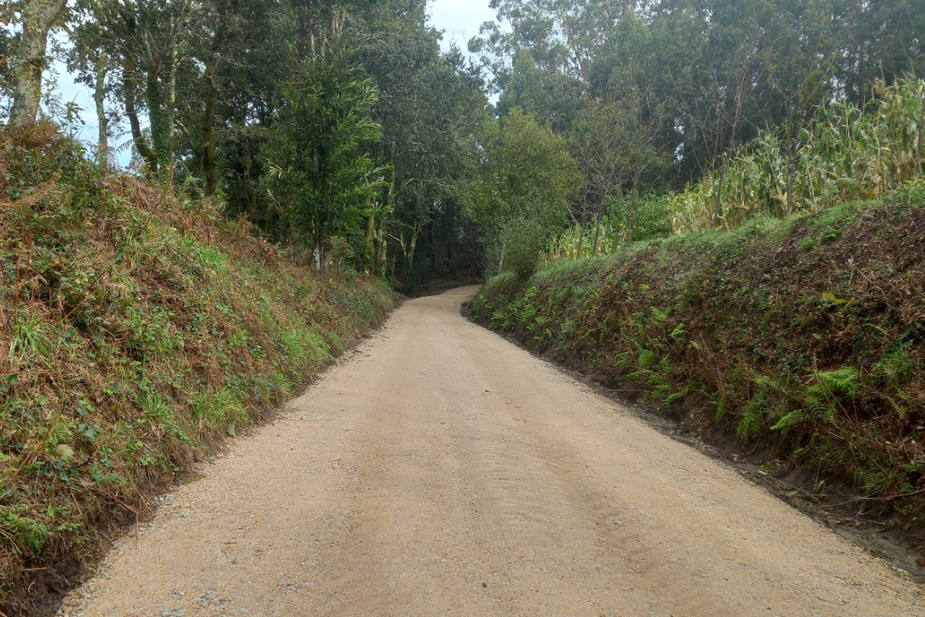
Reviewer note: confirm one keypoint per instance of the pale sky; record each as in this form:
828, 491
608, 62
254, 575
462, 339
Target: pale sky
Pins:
460, 21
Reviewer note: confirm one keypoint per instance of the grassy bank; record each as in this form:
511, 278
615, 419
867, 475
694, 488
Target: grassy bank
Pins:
802, 339
137, 331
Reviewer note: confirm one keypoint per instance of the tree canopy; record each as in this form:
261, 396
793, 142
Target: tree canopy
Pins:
344, 127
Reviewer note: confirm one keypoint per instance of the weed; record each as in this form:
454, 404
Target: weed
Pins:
213, 409
24, 533
895, 367
706, 312
31, 341
128, 344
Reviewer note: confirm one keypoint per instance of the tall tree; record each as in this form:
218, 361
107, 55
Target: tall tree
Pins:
322, 178
527, 182
429, 102
30, 57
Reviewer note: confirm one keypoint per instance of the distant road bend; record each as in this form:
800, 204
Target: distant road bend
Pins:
444, 471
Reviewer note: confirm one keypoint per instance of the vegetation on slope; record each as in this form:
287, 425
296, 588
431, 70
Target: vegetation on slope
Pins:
137, 330
805, 335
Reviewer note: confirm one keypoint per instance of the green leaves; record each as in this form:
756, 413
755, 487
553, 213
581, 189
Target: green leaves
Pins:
526, 182
324, 180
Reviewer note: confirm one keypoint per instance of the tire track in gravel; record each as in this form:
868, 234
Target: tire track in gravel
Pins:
444, 471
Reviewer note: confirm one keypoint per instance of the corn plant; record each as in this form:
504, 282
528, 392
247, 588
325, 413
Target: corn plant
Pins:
849, 153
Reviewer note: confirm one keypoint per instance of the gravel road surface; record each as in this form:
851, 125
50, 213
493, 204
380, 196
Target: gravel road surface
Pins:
444, 471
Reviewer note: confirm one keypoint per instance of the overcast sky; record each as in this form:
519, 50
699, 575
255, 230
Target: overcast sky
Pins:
459, 19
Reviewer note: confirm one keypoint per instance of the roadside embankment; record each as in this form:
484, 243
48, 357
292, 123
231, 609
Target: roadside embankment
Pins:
800, 342
137, 331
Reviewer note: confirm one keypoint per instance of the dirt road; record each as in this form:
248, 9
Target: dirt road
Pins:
444, 471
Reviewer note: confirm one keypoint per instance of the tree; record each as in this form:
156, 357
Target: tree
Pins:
322, 178
614, 147
90, 59
430, 103
30, 57
800, 72
879, 39
527, 181
551, 97
147, 39
563, 36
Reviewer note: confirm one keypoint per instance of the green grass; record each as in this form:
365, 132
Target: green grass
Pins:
136, 332
801, 335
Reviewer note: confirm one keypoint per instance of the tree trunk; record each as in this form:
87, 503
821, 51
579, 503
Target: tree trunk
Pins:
921, 142
302, 34
790, 184
597, 231
413, 246
99, 97
156, 114
38, 16
718, 194
209, 170
503, 251
631, 214
132, 113
371, 243
170, 111
581, 240
209, 158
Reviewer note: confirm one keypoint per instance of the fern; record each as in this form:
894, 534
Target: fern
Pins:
902, 411
750, 425
842, 382
659, 317
720, 410
647, 359
677, 396
791, 419
895, 367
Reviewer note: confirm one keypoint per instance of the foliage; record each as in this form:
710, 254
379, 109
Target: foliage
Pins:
325, 183
137, 331
526, 182
848, 153
800, 336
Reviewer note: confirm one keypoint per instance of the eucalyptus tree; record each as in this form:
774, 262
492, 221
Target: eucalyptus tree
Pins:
146, 40
563, 35
881, 39
551, 97
240, 57
29, 53
91, 60
615, 147
801, 73
429, 102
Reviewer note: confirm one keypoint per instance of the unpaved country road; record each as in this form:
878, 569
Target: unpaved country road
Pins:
444, 471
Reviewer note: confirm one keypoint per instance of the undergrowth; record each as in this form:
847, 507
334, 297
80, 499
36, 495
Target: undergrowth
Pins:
137, 330
803, 336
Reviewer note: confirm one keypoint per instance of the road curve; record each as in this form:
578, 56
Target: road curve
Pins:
444, 471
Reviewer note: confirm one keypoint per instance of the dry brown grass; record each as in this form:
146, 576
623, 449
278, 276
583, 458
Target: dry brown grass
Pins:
137, 330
